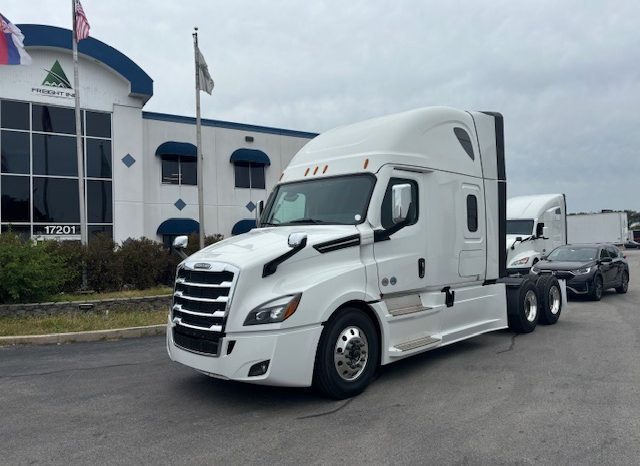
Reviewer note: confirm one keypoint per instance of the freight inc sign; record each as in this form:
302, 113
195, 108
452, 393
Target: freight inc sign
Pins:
55, 83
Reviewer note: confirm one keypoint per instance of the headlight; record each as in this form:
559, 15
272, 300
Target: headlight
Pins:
582, 271
522, 261
274, 311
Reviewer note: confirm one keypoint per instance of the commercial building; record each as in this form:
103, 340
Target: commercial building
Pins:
140, 167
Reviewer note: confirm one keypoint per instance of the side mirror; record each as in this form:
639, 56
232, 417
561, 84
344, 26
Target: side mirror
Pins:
297, 240
545, 232
519, 238
540, 230
401, 201
180, 242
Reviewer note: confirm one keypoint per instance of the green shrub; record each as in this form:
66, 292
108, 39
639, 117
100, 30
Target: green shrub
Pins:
104, 268
70, 253
28, 271
143, 262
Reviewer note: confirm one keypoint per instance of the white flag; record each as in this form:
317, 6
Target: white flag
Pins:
204, 78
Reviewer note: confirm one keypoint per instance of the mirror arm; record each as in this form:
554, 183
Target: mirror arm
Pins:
383, 235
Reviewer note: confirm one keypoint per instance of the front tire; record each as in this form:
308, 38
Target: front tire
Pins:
347, 355
624, 283
597, 288
522, 306
550, 299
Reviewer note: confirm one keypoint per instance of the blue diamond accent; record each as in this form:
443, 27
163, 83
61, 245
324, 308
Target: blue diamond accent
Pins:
128, 160
180, 204
251, 206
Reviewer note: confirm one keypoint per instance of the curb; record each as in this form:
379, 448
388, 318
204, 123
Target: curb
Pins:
79, 337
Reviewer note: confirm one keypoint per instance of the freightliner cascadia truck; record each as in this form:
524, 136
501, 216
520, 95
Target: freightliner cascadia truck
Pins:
382, 240
536, 225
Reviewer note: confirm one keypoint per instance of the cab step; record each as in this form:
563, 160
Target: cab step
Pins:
407, 346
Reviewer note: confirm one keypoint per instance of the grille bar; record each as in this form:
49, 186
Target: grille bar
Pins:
199, 309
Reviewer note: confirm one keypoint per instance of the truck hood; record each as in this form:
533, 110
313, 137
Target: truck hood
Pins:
261, 245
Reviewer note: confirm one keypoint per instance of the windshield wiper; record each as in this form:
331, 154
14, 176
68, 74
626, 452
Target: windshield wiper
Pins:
307, 220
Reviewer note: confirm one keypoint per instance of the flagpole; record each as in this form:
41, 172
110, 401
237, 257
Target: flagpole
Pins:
200, 161
79, 152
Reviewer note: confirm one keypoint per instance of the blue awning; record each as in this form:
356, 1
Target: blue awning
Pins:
178, 226
243, 226
250, 155
183, 149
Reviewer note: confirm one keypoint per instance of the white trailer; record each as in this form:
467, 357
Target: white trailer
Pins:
536, 225
603, 227
382, 240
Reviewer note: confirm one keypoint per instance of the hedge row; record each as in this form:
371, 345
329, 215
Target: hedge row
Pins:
33, 272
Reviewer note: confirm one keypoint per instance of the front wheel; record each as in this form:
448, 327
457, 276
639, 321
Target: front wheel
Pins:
347, 355
624, 283
597, 288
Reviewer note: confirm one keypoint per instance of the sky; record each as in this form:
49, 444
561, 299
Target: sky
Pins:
565, 73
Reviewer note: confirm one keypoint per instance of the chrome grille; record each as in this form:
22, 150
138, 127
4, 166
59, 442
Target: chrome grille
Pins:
200, 306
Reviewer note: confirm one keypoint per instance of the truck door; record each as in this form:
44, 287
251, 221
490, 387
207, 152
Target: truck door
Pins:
400, 259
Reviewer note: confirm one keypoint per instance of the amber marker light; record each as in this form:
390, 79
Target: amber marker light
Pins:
315, 170
324, 170
281, 175
306, 172
366, 163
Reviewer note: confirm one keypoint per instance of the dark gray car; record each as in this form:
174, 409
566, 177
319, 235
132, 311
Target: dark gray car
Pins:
588, 268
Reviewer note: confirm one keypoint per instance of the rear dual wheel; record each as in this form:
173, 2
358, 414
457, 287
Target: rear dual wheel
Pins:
523, 307
550, 299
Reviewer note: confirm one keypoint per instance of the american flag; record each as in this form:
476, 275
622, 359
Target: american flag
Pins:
82, 25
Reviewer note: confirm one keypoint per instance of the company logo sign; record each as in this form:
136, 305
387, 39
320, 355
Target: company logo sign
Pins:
202, 265
55, 83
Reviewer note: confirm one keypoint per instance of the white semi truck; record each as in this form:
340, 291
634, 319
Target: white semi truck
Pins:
536, 225
603, 227
382, 240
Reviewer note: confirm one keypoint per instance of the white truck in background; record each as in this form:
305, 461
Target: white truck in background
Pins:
536, 225
603, 227
382, 240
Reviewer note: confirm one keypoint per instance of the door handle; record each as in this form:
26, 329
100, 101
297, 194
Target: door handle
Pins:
421, 267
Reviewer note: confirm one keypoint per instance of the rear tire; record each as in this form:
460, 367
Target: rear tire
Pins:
347, 355
624, 283
597, 288
522, 307
550, 299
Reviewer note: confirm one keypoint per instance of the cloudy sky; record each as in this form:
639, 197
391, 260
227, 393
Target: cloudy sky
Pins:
565, 74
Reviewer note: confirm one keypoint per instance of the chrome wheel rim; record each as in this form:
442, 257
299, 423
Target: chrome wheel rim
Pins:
530, 305
554, 299
351, 353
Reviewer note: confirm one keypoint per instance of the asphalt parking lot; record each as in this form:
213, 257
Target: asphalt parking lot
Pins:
564, 394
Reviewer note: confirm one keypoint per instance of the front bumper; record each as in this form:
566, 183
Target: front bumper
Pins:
580, 284
291, 354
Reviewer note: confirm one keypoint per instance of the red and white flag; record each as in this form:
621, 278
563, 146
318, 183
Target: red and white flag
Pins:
82, 25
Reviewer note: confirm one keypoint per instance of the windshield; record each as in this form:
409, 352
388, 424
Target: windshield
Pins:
573, 254
340, 200
520, 227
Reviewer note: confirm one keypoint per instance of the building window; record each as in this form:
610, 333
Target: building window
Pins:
472, 213
249, 175
39, 182
179, 170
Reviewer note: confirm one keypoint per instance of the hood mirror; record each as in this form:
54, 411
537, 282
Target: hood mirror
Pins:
179, 244
296, 240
